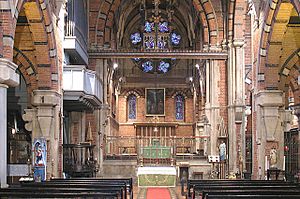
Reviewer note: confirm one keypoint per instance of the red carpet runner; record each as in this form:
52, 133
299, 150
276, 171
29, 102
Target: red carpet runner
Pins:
158, 193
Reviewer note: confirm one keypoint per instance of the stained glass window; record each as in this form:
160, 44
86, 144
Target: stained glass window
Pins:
147, 66
164, 66
136, 38
162, 42
156, 35
131, 107
149, 26
149, 42
179, 106
175, 38
163, 27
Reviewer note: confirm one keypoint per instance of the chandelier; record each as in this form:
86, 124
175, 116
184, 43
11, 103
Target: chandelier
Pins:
156, 35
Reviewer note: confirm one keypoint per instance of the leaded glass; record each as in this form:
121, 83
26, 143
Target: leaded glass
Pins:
164, 66
132, 107
175, 38
179, 103
149, 42
147, 66
163, 27
136, 38
149, 27
161, 43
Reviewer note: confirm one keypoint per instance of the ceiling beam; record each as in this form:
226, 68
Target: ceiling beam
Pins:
182, 54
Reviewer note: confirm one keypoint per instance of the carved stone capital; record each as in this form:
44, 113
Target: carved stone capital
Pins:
45, 98
45, 102
269, 98
238, 43
8, 75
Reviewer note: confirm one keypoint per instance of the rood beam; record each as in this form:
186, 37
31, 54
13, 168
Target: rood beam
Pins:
187, 54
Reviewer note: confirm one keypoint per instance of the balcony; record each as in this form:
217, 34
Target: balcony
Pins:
76, 31
82, 88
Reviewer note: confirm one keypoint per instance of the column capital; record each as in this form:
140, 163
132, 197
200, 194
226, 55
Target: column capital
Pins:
270, 98
45, 98
239, 43
8, 75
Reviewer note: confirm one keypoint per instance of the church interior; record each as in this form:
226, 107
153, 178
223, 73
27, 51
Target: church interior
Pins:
162, 92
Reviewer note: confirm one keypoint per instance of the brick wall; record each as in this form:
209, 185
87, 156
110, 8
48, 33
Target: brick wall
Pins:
128, 129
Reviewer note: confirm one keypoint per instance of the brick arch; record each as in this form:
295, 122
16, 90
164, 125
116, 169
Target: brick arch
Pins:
289, 71
296, 4
209, 19
230, 19
38, 13
26, 67
179, 93
132, 93
104, 22
204, 22
265, 64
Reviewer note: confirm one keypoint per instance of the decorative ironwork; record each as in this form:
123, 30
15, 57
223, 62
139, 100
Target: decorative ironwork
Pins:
291, 142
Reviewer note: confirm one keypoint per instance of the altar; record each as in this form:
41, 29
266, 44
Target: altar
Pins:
156, 176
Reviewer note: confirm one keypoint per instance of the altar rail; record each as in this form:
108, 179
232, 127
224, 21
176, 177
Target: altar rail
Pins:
130, 147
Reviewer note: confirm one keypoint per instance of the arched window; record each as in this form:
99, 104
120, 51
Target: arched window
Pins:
179, 107
131, 106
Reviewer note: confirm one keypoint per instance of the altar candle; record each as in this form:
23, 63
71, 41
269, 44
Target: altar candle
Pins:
266, 163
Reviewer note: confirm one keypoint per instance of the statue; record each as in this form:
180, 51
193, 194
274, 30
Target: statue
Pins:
273, 158
222, 151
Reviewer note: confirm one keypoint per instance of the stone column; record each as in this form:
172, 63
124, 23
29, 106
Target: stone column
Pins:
269, 129
103, 125
43, 120
236, 104
212, 105
8, 78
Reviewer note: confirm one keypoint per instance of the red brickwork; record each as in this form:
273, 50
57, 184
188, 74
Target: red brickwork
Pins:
129, 129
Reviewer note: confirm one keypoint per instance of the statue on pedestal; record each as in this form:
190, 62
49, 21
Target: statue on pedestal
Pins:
222, 151
273, 158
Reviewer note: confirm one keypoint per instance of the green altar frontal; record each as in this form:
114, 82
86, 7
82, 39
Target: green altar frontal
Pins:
156, 176
156, 152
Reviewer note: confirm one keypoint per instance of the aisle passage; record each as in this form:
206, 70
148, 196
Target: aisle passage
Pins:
158, 193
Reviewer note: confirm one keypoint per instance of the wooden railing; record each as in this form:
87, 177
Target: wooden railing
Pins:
131, 147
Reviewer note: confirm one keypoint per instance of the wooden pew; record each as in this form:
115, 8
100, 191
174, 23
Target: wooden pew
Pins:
242, 187
240, 196
119, 189
127, 181
223, 183
23, 192
62, 188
